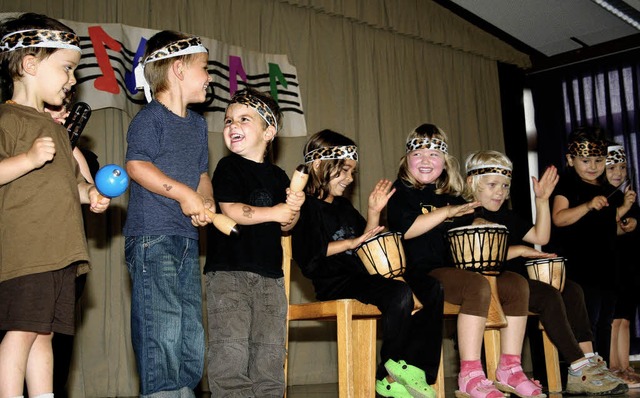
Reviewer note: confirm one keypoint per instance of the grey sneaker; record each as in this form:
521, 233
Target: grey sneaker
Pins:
590, 380
601, 364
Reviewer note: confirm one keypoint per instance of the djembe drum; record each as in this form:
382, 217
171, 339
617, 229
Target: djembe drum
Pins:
548, 270
482, 248
384, 255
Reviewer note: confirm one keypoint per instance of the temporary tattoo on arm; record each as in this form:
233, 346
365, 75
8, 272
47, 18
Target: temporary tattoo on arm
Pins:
167, 187
247, 211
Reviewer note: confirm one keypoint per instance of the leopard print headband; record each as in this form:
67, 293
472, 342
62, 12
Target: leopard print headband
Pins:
616, 155
427, 143
332, 152
490, 169
40, 38
190, 45
245, 98
587, 149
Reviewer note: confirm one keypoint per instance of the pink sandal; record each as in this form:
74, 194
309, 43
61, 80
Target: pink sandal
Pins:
527, 388
484, 388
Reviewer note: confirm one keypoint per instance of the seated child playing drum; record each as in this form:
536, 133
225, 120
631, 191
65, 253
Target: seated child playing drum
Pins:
328, 232
427, 203
563, 314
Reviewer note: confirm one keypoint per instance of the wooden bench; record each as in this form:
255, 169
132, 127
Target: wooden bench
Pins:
356, 337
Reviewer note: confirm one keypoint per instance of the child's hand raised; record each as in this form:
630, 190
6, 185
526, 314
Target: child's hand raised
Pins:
380, 195
42, 150
544, 187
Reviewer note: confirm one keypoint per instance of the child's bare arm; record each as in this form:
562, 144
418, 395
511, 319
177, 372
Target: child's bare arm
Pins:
295, 200
89, 195
339, 246
540, 233
563, 215
204, 189
153, 179
527, 252
245, 214
82, 163
426, 222
42, 150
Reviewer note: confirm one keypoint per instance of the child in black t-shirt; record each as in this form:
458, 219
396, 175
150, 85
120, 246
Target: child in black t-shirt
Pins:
324, 240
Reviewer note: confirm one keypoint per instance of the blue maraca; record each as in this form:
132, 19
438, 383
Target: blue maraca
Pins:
112, 180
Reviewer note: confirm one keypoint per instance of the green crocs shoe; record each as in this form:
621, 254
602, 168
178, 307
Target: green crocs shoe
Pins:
411, 377
395, 390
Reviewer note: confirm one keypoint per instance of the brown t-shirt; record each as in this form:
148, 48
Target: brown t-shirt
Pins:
41, 226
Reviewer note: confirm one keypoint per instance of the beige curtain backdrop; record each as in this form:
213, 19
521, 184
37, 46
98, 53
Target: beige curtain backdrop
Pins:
370, 69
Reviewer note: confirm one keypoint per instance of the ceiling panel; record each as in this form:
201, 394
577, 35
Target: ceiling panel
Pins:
551, 27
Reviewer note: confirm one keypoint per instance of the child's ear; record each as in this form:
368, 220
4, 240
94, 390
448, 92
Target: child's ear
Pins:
30, 64
178, 69
316, 164
469, 180
569, 160
270, 133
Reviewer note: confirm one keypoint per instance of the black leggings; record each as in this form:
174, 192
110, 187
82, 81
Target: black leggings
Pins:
563, 315
415, 339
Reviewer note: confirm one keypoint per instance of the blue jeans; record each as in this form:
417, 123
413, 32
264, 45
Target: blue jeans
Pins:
247, 320
166, 314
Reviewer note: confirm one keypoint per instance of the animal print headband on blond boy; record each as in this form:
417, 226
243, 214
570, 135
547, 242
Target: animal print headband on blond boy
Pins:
190, 45
588, 149
246, 98
45, 38
427, 143
616, 154
490, 169
332, 152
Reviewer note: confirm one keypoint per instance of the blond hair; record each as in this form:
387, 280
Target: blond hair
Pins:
479, 160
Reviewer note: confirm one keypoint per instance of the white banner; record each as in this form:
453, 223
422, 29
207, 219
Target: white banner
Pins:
109, 51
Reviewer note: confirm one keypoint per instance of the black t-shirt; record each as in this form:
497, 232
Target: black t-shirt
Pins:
590, 243
321, 223
431, 249
257, 249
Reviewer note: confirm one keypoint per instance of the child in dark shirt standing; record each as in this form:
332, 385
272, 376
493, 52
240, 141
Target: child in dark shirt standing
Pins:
246, 302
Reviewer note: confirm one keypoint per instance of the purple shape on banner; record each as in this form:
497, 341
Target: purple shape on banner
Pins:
129, 76
235, 68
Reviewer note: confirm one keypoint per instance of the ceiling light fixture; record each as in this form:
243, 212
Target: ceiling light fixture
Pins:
621, 10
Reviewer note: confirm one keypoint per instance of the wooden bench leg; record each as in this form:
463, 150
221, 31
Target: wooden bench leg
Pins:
364, 357
492, 351
552, 363
345, 350
439, 386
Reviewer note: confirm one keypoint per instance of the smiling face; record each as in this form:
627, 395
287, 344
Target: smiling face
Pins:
425, 165
196, 78
491, 191
245, 132
616, 174
339, 183
588, 168
54, 75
